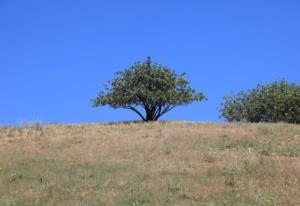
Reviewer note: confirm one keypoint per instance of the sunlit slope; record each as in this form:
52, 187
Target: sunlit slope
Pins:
162, 163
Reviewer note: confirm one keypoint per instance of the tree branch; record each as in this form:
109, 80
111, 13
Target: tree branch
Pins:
136, 111
157, 112
165, 110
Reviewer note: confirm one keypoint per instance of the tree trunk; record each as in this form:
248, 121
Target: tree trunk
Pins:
149, 116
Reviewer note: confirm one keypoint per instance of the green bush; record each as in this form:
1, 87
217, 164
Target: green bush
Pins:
275, 102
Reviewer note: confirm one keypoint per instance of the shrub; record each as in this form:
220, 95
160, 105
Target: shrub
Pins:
275, 102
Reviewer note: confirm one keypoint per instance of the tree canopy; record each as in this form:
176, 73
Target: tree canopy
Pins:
150, 86
275, 102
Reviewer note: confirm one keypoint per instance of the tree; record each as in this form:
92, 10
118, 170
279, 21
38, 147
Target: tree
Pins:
153, 87
275, 102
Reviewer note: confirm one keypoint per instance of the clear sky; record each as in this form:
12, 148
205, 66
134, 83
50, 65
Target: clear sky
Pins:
55, 55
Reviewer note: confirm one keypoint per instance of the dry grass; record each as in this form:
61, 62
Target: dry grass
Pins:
166, 163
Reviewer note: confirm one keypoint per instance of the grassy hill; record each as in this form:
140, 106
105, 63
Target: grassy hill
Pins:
165, 163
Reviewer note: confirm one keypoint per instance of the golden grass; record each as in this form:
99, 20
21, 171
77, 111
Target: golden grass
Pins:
160, 163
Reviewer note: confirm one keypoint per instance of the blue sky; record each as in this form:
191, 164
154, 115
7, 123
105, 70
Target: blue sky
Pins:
55, 55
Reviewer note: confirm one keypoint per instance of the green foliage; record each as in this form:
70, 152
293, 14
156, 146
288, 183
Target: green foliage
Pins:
275, 102
151, 86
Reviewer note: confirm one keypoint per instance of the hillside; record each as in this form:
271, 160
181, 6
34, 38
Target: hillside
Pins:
165, 163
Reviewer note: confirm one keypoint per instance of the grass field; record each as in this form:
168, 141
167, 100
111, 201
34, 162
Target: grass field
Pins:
162, 163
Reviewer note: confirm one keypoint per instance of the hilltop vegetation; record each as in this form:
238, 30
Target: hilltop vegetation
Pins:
151, 90
148, 86
275, 102
159, 163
